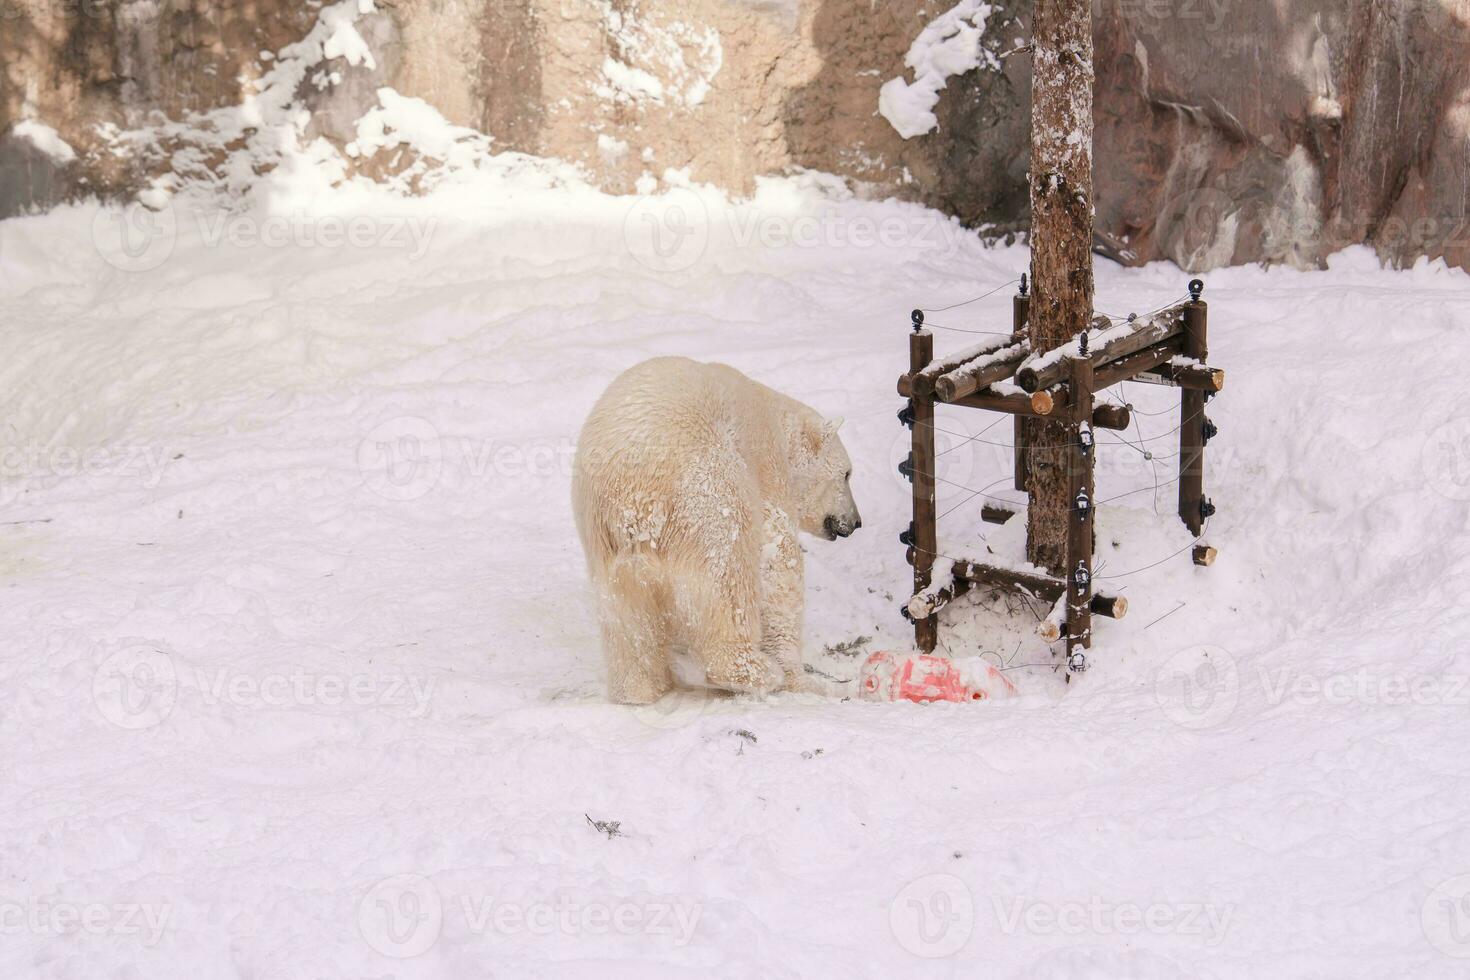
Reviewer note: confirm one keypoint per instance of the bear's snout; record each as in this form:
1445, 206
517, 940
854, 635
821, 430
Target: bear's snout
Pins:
839, 528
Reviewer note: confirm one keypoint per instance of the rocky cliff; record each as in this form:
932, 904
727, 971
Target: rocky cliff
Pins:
1228, 131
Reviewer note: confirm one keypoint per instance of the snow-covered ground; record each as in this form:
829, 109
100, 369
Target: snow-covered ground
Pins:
299, 675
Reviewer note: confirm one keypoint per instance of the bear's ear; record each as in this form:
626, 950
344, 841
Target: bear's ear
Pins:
833, 424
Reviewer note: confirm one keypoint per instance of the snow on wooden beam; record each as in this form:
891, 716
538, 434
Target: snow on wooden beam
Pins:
1104, 347
1185, 372
981, 372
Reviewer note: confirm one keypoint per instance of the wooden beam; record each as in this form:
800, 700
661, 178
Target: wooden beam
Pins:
1057, 400
981, 373
1107, 606
1111, 344
1011, 402
997, 513
1204, 555
1192, 420
969, 574
923, 381
1115, 417
1080, 458
926, 530
1198, 377
1020, 312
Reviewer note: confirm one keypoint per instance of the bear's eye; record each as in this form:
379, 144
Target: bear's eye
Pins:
847, 475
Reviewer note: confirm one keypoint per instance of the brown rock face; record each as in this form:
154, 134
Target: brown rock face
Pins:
1227, 131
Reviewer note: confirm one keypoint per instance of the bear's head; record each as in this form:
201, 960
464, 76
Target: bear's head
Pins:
820, 475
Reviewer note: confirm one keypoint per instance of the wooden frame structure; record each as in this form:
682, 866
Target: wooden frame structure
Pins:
1168, 347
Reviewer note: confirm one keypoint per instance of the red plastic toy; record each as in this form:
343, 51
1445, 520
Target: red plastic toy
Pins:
922, 677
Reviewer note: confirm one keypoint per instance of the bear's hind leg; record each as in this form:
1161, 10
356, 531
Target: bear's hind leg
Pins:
634, 635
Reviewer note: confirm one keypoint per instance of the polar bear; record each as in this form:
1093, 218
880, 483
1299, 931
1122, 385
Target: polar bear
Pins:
690, 484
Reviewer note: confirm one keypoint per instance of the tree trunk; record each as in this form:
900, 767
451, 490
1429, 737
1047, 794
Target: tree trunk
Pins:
1061, 247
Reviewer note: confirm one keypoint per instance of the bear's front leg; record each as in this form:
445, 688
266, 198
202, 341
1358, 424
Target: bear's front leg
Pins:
783, 596
722, 615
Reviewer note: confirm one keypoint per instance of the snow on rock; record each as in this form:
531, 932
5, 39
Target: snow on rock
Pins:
45, 139
950, 45
671, 61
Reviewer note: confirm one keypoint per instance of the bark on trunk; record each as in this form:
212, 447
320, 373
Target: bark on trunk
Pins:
1061, 246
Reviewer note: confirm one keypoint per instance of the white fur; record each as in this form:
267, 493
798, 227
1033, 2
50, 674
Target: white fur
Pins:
690, 484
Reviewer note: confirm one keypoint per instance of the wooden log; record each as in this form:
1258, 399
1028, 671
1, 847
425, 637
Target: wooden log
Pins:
1031, 583
1081, 454
1111, 345
1115, 417
923, 381
1010, 402
1109, 606
981, 373
1192, 420
1057, 400
1204, 555
1020, 312
967, 574
996, 513
926, 531
1199, 377
924, 605
1050, 628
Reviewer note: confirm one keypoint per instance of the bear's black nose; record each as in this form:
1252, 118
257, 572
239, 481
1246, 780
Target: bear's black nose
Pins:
835, 527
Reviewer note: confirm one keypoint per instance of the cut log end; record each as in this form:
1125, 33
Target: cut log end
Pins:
1042, 403
1204, 555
